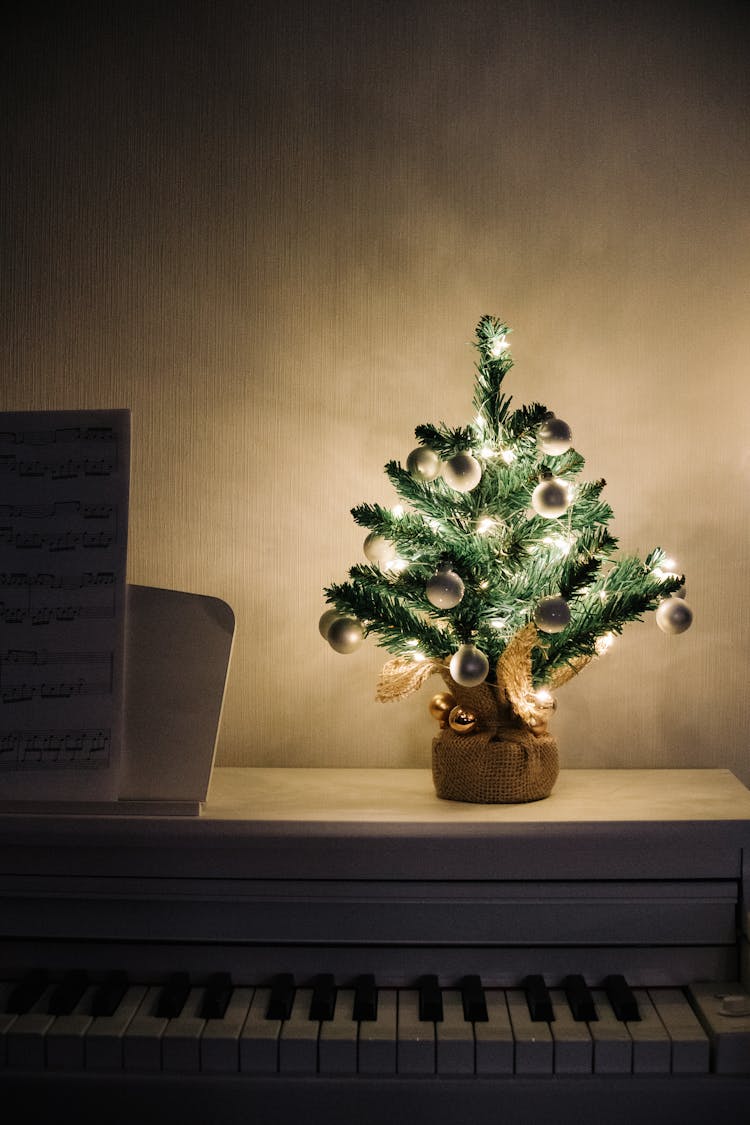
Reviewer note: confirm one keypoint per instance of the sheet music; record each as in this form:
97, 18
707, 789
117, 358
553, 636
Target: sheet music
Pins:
64, 484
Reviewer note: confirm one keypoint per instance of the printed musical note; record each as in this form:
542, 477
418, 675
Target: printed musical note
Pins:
32, 749
63, 537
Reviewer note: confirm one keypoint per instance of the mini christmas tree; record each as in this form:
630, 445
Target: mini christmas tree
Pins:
497, 570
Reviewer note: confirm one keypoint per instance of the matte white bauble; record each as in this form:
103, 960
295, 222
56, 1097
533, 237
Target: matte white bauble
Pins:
326, 621
674, 616
423, 464
462, 472
378, 550
445, 589
345, 635
552, 614
551, 498
469, 666
555, 436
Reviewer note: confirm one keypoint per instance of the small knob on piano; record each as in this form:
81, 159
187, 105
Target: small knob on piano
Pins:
736, 1004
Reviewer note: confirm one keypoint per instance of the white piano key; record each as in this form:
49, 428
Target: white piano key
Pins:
454, 1037
416, 1038
66, 1038
25, 1036
533, 1038
724, 1010
651, 1047
7, 1019
259, 1039
141, 1043
378, 1038
337, 1043
220, 1042
298, 1039
180, 1043
494, 1039
574, 1048
104, 1037
690, 1044
613, 1046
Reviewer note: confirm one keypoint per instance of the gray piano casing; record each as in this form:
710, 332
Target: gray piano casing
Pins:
351, 871
636, 870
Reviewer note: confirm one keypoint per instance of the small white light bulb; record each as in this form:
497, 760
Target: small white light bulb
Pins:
497, 345
508, 456
604, 644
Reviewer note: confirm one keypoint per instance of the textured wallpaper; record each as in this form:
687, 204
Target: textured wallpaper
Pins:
270, 228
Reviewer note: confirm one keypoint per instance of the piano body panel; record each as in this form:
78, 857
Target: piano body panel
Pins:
475, 912
519, 1100
648, 882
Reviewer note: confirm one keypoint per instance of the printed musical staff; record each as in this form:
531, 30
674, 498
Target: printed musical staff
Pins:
39, 749
43, 598
64, 482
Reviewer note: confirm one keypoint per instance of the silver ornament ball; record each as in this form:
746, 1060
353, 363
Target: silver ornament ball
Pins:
423, 464
674, 616
550, 498
552, 614
462, 472
345, 635
555, 436
378, 550
326, 621
445, 589
469, 666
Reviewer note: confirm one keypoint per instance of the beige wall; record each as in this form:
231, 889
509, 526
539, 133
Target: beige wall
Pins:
269, 229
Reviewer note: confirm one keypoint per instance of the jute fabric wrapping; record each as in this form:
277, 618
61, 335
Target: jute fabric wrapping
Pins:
502, 761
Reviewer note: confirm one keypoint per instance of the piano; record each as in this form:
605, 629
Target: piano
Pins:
339, 945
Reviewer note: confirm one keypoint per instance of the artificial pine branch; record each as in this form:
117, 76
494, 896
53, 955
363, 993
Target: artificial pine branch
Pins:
498, 540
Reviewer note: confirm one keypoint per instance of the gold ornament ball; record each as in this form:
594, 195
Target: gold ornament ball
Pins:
441, 706
462, 721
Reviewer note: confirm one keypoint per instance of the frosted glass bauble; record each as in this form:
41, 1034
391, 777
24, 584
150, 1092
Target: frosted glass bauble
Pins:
445, 589
423, 464
462, 472
469, 666
555, 437
345, 635
552, 614
550, 498
326, 621
674, 616
378, 550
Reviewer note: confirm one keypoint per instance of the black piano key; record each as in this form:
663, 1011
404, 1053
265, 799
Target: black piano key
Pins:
430, 999
474, 1000
579, 998
620, 996
282, 997
173, 996
27, 992
67, 993
538, 998
109, 994
217, 996
323, 1003
365, 998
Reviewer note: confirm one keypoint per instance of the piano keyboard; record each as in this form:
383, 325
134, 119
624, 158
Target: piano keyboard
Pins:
217, 1028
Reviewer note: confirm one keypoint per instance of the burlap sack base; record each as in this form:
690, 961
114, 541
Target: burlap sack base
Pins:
501, 762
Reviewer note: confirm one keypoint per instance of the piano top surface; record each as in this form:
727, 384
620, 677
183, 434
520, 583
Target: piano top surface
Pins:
383, 823
406, 797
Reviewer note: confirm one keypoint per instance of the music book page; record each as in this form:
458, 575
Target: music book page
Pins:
64, 486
